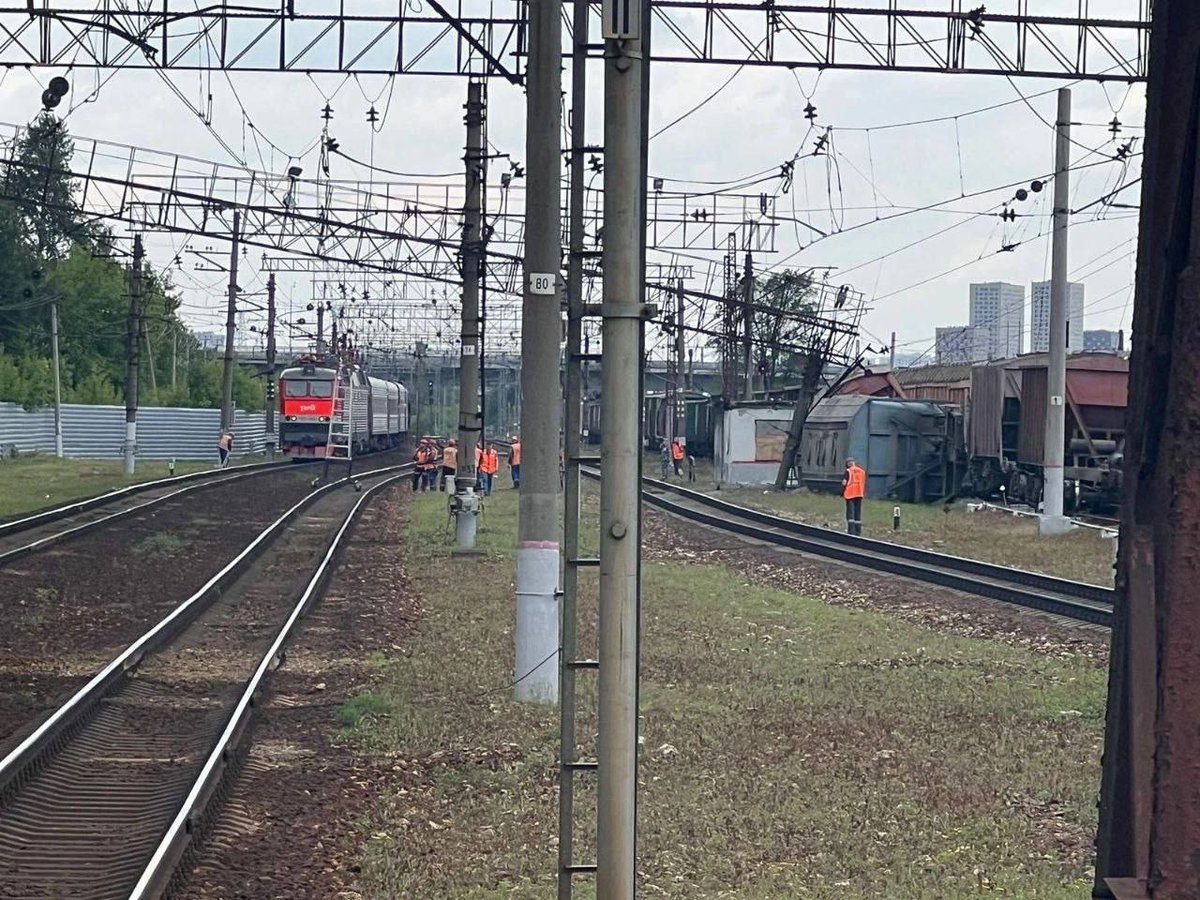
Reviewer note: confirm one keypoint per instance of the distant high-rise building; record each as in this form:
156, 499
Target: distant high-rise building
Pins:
961, 344
1039, 320
1101, 341
999, 308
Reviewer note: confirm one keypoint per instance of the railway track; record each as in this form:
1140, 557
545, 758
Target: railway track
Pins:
1073, 600
106, 797
20, 537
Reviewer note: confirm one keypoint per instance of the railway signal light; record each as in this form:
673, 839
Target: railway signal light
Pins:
54, 93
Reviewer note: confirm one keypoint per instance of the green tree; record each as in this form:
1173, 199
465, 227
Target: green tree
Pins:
38, 184
783, 337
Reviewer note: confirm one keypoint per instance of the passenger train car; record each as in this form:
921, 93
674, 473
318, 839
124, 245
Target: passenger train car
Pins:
378, 409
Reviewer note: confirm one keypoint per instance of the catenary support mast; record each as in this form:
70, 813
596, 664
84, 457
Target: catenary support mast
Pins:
470, 421
541, 392
132, 352
1053, 521
230, 326
620, 431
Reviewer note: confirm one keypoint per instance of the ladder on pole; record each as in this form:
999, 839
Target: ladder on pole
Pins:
571, 766
339, 443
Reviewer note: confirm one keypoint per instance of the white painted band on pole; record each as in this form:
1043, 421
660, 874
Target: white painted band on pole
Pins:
537, 622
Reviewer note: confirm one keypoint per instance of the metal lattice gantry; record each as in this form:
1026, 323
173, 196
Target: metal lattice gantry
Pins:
965, 37
474, 37
467, 37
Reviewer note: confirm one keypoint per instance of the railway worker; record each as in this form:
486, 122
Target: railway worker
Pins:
420, 458
224, 448
489, 464
514, 462
677, 456
430, 469
449, 462
854, 488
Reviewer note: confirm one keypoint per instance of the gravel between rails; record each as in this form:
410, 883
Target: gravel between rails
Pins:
70, 608
291, 827
128, 768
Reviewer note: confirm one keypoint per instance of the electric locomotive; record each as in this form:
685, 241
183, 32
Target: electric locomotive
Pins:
378, 409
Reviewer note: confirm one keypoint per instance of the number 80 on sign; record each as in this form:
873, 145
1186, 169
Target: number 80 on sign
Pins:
542, 283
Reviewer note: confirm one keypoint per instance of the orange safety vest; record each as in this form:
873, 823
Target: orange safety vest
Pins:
676, 451
450, 458
491, 462
514, 456
856, 483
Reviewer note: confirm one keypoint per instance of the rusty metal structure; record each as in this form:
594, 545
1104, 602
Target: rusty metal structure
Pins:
1149, 840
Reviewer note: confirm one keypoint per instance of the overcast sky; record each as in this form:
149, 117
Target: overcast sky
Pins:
755, 123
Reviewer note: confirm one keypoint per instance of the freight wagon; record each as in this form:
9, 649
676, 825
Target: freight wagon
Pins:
1003, 406
1007, 428
378, 409
699, 418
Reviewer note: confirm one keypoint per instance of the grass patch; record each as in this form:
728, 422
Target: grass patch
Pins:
38, 482
162, 544
367, 705
791, 749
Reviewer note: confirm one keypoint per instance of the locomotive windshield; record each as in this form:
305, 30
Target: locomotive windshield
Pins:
298, 387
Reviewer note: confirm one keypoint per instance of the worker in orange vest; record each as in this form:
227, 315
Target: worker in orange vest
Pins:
677, 456
514, 462
854, 488
449, 462
224, 448
489, 464
420, 458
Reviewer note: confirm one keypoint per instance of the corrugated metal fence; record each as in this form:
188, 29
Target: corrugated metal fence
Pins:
97, 432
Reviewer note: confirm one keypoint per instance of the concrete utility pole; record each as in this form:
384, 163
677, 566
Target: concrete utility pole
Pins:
748, 328
150, 368
58, 429
230, 326
1149, 802
132, 350
1053, 521
321, 325
272, 439
470, 420
174, 353
541, 391
680, 363
626, 42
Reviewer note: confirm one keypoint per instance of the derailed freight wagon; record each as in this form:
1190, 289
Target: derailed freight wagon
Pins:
908, 447
1007, 428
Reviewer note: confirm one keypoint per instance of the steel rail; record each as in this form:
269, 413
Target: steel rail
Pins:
1073, 600
47, 737
1047, 583
157, 875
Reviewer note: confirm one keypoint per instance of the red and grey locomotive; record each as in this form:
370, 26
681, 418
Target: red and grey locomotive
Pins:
378, 408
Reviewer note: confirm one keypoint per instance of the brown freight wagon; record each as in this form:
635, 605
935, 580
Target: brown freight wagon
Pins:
1007, 428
